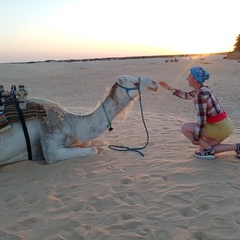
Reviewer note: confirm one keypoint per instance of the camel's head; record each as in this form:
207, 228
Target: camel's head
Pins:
133, 85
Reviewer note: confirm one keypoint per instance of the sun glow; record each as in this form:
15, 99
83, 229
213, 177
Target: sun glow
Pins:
82, 29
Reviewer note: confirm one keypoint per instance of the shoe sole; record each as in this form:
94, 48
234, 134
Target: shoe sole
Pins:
205, 156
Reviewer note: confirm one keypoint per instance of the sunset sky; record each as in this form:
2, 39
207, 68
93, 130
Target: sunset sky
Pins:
65, 29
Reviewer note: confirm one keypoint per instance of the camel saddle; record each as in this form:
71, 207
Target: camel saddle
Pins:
10, 114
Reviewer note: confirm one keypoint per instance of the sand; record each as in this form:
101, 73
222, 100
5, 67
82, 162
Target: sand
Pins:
166, 195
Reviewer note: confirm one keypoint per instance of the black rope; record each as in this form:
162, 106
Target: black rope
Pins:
124, 148
20, 113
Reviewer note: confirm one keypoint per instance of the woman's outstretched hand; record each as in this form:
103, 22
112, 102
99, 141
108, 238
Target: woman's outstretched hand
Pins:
166, 86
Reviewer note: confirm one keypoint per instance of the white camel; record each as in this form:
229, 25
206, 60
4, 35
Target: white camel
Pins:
59, 136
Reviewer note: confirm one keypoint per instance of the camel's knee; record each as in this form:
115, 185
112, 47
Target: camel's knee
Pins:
93, 151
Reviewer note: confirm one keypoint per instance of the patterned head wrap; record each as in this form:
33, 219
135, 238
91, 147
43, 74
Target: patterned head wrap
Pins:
199, 74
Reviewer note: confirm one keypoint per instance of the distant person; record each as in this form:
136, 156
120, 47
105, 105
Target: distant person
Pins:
212, 125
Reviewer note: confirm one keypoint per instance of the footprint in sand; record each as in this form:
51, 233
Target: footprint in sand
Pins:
188, 212
127, 180
199, 236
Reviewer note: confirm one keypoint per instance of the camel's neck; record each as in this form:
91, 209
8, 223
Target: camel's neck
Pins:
88, 127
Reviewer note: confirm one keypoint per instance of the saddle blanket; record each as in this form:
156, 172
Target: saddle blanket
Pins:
4, 124
10, 114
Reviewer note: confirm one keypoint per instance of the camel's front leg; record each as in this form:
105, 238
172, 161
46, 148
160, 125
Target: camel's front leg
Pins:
94, 143
67, 153
76, 144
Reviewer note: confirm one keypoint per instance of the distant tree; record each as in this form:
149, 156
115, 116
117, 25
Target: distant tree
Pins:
237, 44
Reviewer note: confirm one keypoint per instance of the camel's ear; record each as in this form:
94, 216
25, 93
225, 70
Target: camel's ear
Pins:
120, 80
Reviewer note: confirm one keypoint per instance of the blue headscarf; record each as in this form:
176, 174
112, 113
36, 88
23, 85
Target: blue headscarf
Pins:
199, 74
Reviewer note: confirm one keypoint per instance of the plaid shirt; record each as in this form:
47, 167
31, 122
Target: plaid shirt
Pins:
206, 105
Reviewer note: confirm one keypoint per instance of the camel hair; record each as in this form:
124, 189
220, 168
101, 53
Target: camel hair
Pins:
61, 134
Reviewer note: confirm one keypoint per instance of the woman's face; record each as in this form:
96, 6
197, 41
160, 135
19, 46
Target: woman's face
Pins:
191, 80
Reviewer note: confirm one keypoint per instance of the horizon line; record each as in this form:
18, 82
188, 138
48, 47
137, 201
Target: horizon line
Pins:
117, 58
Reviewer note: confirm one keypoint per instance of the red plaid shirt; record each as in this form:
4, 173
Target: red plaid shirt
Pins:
206, 105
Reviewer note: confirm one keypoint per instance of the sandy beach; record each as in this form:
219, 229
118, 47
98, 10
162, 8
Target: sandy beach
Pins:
166, 195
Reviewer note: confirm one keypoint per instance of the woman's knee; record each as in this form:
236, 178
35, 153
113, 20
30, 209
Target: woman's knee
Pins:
188, 127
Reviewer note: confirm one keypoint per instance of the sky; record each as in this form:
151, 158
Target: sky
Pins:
38, 30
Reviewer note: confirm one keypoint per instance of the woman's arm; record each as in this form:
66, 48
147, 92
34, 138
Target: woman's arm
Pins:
178, 93
201, 108
166, 86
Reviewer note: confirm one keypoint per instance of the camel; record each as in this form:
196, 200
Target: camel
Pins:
62, 134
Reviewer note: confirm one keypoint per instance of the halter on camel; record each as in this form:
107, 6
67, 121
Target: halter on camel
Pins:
123, 148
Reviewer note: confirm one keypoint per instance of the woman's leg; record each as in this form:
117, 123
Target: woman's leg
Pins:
188, 130
205, 142
212, 142
218, 147
224, 148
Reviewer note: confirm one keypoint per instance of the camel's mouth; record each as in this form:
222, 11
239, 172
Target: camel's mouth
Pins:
152, 85
154, 89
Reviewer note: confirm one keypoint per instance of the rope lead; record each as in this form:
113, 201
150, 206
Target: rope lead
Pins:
124, 148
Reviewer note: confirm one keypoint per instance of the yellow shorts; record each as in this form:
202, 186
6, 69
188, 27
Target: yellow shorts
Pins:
220, 130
